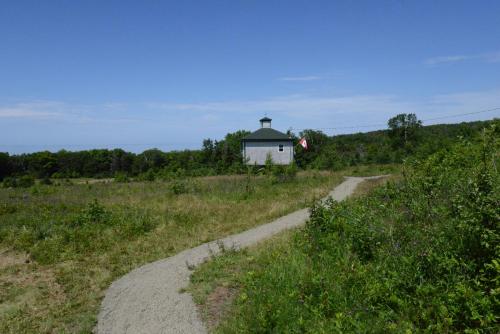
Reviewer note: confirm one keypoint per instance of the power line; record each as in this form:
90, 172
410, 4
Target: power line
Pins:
464, 114
385, 124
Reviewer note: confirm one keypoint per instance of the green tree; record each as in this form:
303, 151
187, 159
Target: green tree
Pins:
121, 161
43, 164
208, 152
316, 141
404, 129
150, 159
4, 165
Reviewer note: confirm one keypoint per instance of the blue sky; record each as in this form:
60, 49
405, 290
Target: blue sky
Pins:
166, 74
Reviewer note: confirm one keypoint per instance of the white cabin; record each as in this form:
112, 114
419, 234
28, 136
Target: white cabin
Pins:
265, 142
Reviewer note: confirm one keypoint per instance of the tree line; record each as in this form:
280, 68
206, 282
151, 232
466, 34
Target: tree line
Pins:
404, 137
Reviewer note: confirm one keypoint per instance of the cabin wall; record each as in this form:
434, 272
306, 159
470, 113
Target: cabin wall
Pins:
256, 152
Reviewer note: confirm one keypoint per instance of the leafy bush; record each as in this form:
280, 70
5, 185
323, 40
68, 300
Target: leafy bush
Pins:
278, 173
183, 186
150, 176
179, 187
137, 224
121, 178
283, 173
94, 213
421, 255
24, 181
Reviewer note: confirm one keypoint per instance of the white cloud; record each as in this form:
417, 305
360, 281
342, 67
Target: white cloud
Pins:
294, 105
67, 112
491, 57
32, 110
303, 78
322, 111
297, 111
445, 59
464, 102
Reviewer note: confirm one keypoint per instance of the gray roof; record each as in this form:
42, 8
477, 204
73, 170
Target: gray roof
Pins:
267, 134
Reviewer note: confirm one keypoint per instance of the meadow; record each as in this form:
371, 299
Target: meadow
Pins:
61, 245
418, 254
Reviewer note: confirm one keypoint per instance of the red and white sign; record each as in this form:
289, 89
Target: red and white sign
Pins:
303, 143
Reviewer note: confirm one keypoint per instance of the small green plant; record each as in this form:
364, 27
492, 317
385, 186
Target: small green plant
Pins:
179, 186
268, 165
283, 173
249, 187
136, 224
121, 178
93, 213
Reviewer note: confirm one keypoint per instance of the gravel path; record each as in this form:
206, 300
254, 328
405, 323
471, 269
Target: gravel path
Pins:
147, 300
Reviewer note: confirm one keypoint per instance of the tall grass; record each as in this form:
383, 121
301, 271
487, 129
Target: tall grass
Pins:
62, 245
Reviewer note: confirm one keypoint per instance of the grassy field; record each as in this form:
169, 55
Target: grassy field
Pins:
62, 245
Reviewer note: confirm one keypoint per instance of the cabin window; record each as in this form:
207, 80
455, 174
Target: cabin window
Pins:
280, 148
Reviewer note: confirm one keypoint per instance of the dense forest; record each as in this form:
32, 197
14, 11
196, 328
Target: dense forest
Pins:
404, 137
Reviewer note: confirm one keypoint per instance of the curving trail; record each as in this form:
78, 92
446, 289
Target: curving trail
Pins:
147, 300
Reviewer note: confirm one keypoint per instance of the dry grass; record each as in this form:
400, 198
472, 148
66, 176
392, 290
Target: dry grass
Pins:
217, 305
365, 187
9, 259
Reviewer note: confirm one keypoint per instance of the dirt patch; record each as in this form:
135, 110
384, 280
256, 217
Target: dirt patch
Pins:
27, 277
217, 305
24, 282
8, 259
92, 181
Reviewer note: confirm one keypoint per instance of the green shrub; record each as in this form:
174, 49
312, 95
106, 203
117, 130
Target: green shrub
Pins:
179, 186
136, 224
121, 178
150, 176
283, 173
94, 213
9, 182
24, 181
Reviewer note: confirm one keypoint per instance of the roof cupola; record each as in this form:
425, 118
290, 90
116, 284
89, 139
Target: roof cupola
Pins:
265, 122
